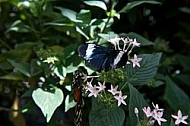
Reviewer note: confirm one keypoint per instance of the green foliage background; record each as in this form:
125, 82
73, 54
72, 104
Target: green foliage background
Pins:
30, 34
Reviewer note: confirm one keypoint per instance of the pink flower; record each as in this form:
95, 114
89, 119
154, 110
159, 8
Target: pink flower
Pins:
121, 98
113, 90
101, 87
147, 111
179, 118
93, 91
136, 61
158, 116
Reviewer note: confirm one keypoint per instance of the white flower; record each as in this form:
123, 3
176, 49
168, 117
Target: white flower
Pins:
135, 43
179, 118
113, 90
121, 98
93, 91
101, 86
136, 61
51, 60
147, 111
157, 107
158, 116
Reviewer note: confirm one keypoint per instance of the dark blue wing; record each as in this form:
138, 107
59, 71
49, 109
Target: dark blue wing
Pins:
94, 54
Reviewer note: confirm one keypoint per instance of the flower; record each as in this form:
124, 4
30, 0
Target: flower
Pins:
158, 116
51, 60
157, 107
147, 111
136, 61
93, 91
121, 98
115, 42
135, 43
179, 118
113, 90
101, 86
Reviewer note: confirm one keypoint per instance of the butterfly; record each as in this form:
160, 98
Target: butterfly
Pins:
77, 88
101, 57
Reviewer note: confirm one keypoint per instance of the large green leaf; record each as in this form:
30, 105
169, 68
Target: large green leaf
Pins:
136, 100
133, 4
48, 101
176, 97
147, 70
99, 4
106, 116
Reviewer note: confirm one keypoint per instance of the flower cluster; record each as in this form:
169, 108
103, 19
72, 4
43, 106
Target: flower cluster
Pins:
96, 89
126, 41
157, 113
127, 49
154, 115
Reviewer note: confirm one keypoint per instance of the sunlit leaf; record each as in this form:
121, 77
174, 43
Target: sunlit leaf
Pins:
69, 103
48, 101
60, 71
99, 4
70, 14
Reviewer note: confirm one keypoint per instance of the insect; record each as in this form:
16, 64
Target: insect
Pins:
77, 88
101, 57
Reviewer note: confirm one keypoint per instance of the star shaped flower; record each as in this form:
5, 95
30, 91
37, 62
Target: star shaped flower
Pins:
136, 61
113, 90
179, 118
121, 98
101, 87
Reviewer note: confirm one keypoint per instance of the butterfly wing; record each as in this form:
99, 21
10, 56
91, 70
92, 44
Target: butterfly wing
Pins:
94, 54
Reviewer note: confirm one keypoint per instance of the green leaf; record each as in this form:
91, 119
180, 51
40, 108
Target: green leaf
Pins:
48, 101
140, 39
80, 30
60, 71
176, 97
185, 78
147, 70
184, 61
99, 4
70, 50
133, 4
85, 16
19, 26
185, 10
68, 103
17, 55
106, 116
136, 100
70, 14
21, 67
13, 76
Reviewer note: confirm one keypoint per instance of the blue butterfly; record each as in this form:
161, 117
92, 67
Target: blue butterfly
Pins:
101, 57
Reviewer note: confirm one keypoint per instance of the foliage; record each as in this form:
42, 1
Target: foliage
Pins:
39, 41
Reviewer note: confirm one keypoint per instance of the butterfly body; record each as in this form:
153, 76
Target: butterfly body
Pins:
77, 89
101, 57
